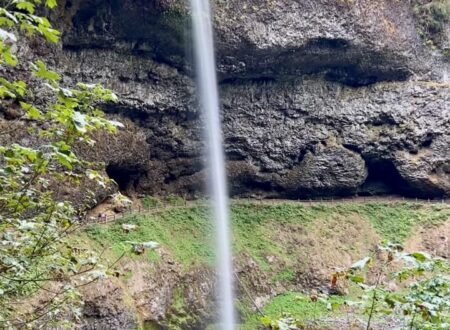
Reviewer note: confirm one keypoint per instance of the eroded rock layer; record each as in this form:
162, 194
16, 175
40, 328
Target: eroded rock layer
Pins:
319, 98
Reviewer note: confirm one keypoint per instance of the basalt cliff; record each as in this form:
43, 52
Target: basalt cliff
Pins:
319, 97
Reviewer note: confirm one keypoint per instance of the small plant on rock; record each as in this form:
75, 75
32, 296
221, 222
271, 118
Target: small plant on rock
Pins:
286, 322
433, 16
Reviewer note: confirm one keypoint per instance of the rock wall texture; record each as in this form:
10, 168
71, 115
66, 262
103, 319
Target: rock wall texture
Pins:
319, 97
155, 296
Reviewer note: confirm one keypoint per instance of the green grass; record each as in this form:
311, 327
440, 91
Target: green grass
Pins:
149, 202
296, 305
184, 232
394, 222
285, 275
175, 200
188, 234
253, 226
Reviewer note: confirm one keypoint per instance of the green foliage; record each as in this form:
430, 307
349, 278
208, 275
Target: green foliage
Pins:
253, 229
19, 14
292, 309
186, 233
302, 307
430, 299
149, 202
394, 222
286, 322
175, 200
423, 304
35, 252
254, 224
432, 15
286, 275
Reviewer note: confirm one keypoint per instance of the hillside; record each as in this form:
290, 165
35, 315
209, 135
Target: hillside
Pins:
282, 249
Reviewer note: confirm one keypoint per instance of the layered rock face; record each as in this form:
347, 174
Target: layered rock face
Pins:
323, 97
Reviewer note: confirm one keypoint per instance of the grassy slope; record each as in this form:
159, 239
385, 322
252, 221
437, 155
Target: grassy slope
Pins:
295, 304
186, 233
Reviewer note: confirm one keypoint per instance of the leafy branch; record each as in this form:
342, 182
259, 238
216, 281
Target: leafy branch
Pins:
35, 251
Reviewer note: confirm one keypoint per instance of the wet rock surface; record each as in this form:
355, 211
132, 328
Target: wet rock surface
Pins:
294, 138
155, 295
105, 308
319, 98
308, 109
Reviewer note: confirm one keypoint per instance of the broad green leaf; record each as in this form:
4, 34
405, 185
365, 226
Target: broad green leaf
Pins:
64, 160
31, 154
25, 5
63, 147
79, 121
9, 58
420, 256
42, 72
6, 93
20, 88
8, 15
357, 279
51, 3
32, 112
50, 34
9, 153
4, 21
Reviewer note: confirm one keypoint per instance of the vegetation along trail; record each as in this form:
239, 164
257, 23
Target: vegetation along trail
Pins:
285, 255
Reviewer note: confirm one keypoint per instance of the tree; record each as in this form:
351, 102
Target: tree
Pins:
35, 253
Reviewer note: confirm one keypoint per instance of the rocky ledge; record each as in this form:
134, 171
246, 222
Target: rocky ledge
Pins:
328, 97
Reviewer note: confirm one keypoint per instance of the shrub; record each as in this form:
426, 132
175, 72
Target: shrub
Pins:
432, 16
149, 202
175, 200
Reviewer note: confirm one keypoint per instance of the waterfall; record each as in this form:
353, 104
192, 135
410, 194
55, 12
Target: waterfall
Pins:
209, 102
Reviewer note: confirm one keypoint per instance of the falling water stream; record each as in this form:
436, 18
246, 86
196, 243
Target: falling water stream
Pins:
209, 102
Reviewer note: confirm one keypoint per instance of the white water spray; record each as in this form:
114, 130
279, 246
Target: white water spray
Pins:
209, 101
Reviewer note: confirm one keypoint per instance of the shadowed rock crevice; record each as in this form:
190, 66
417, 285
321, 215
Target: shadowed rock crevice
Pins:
383, 179
156, 29
126, 177
159, 29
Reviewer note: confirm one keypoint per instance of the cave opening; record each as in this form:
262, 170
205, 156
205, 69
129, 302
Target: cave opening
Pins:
383, 179
126, 177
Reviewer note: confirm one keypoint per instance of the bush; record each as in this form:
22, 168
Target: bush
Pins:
432, 16
149, 202
36, 254
175, 200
